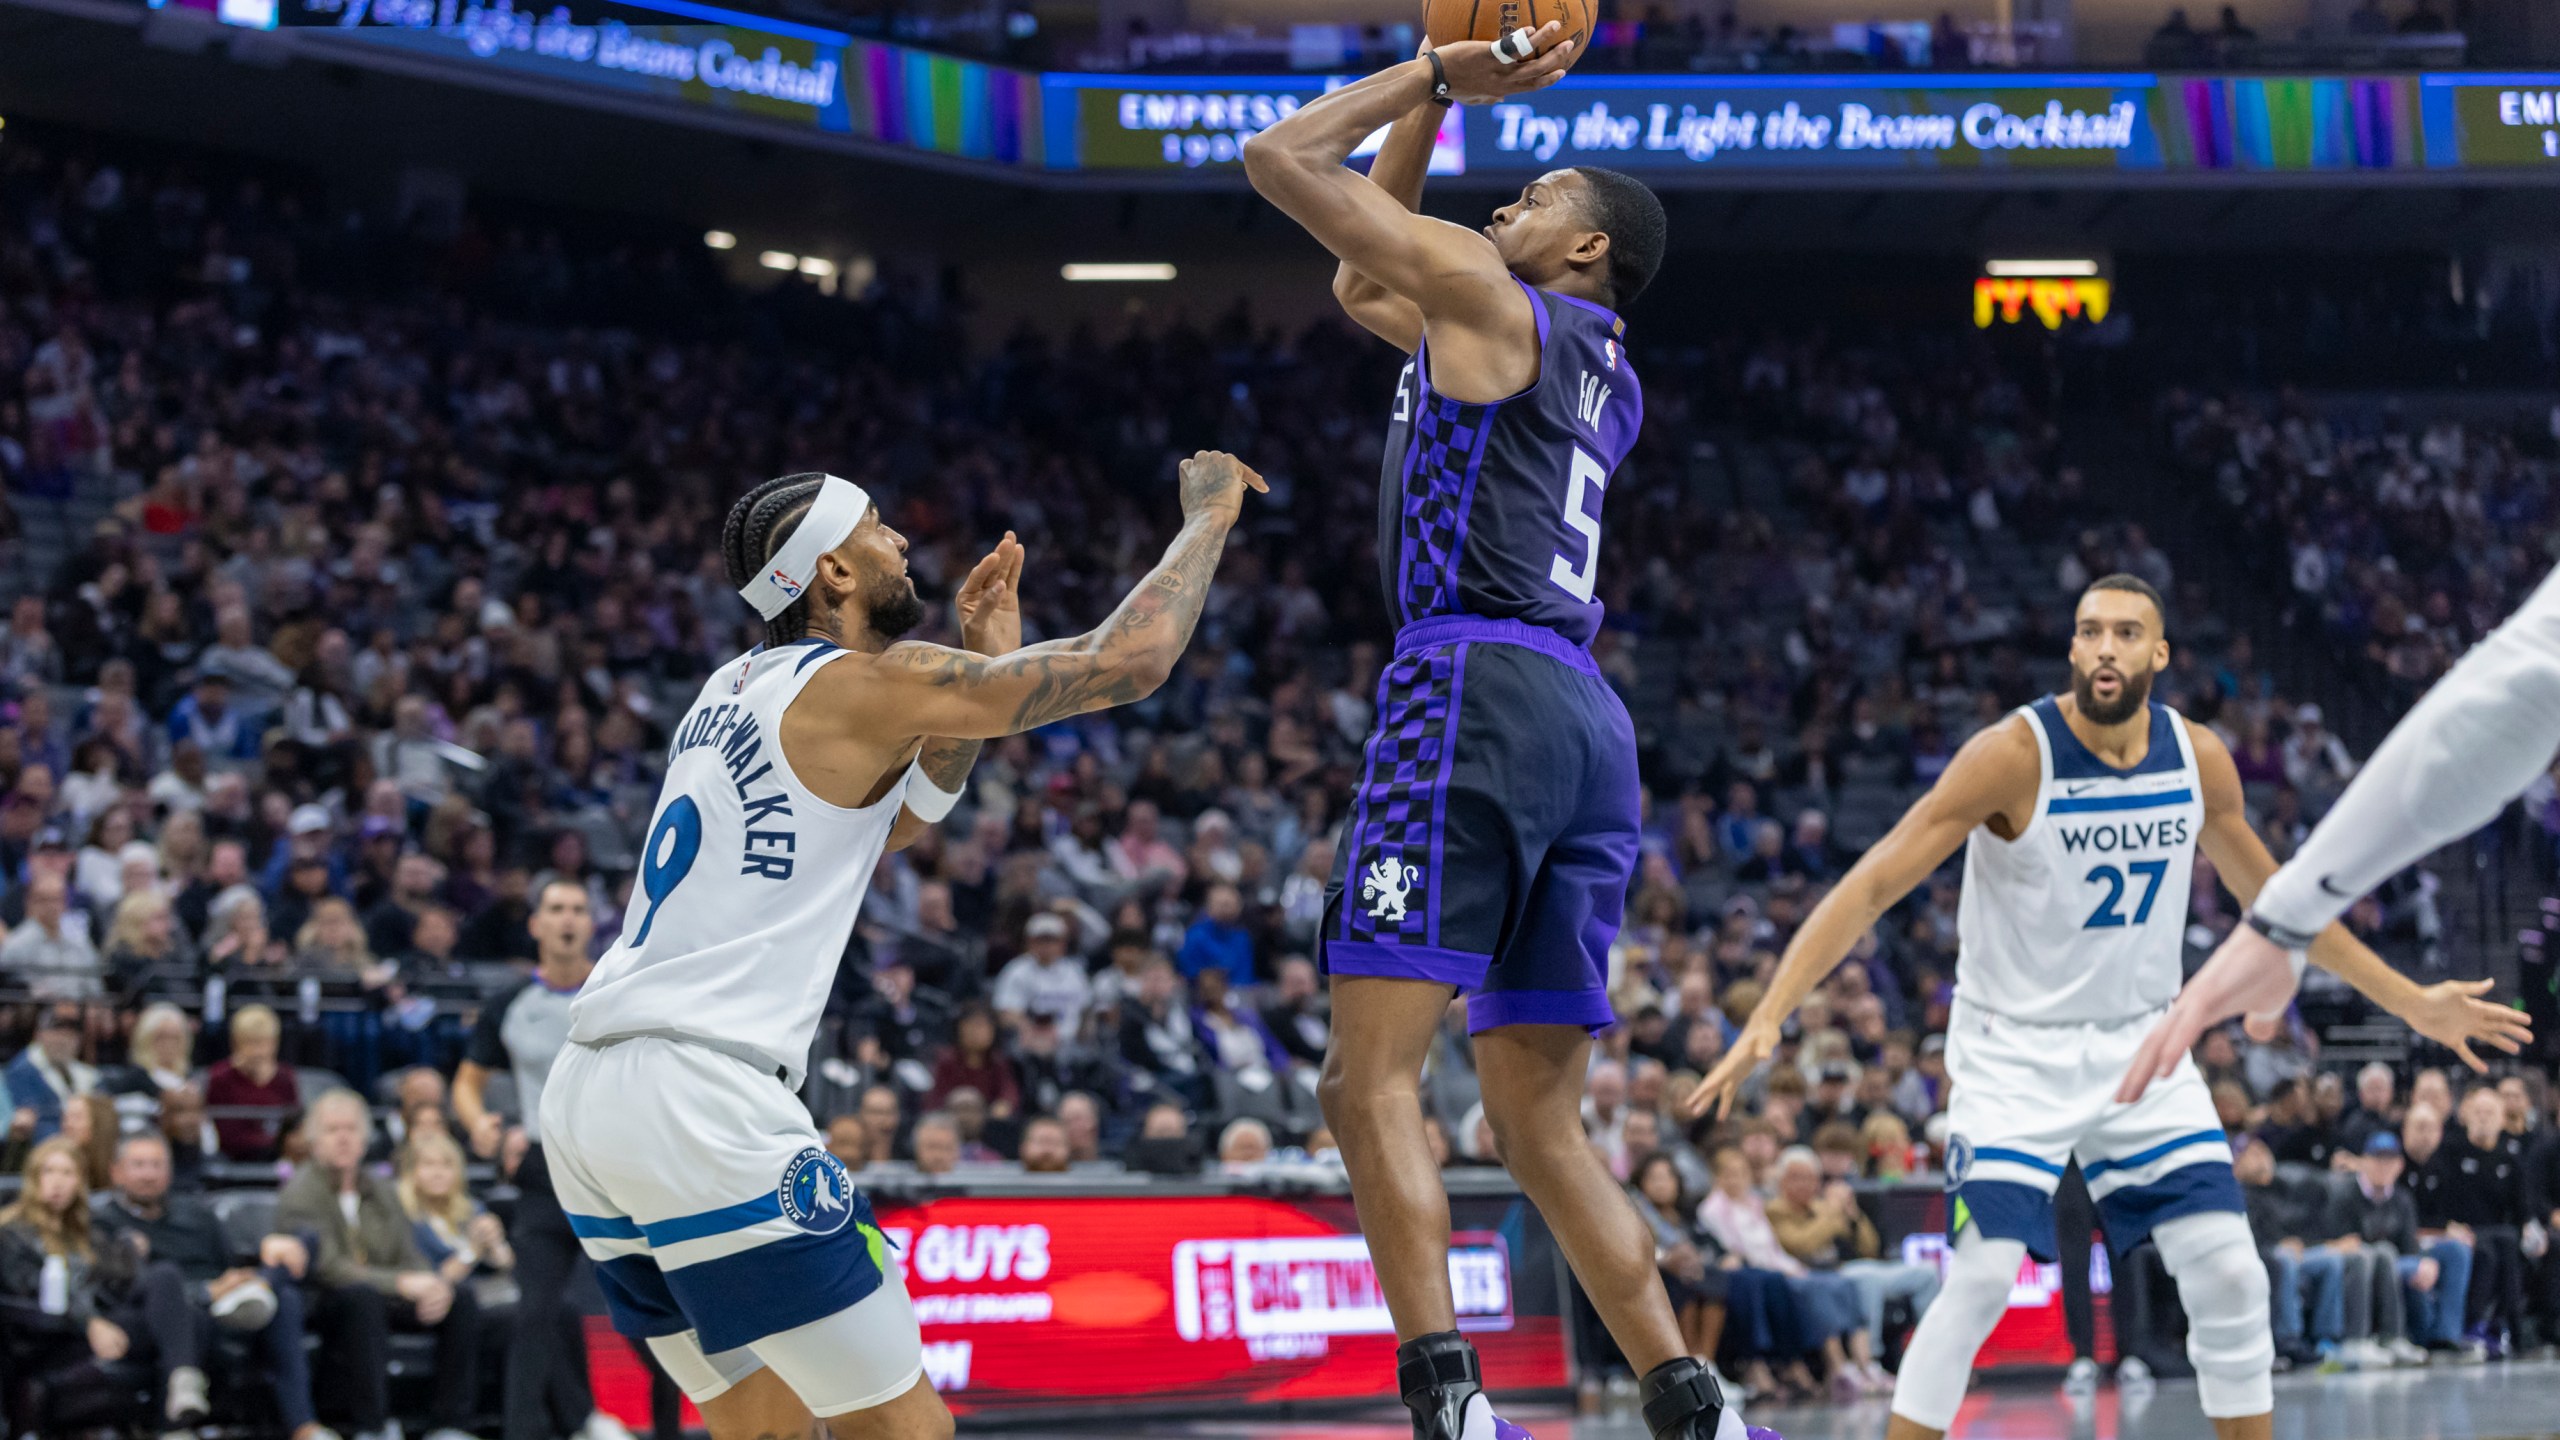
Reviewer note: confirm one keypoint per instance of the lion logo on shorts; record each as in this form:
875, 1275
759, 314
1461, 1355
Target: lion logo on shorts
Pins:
1385, 888
817, 1192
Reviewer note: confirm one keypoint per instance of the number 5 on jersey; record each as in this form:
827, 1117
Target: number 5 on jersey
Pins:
1582, 516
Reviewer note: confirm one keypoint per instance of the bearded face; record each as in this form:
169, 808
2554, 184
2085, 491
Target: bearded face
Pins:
2116, 651
2109, 694
891, 605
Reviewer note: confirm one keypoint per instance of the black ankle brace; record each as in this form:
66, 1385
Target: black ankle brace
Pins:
1437, 1375
1682, 1401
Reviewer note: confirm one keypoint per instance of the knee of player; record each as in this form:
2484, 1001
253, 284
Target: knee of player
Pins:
1982, 1274
1525, 1139
1350, 1094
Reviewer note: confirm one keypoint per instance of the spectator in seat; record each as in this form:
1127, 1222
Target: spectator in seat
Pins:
1822, 1224
2447, 1241
49, 952
144, 938
1833, 1312
76, 1300
48, 1074
2376, 1109
2542, 1202
974, 1061
370, 1276
2379, 1208
1218, 938
262, 1300
1081, 1114
1245, 1143
456, 1233
2373, 1329
1157, 1041
849, 1140
1050, 1068
910, 1021
2304, 1281
189, 1135
159, 1058
253, 1092
937, 1144
89, 1122
1298, 1013
2481, 1191
883, 1113
1044, 976
1044, 1147
1233, 1034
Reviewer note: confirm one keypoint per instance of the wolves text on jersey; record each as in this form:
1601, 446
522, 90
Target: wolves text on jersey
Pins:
765, 853
2118, 835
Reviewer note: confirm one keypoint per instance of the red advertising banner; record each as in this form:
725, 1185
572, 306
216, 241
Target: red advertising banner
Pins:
1185, 1301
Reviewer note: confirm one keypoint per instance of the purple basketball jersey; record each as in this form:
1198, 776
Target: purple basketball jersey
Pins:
1494, 510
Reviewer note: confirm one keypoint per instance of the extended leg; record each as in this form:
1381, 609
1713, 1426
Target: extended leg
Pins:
1939, 1359
1371, 1092
2224, 1288
1532, 1076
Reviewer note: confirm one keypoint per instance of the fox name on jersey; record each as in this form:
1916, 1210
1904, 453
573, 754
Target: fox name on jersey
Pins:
2082, 917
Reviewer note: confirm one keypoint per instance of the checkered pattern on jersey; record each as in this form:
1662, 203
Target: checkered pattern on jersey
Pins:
1439, 473
1399, 802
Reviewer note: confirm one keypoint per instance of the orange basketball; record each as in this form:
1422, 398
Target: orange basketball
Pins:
1447, 21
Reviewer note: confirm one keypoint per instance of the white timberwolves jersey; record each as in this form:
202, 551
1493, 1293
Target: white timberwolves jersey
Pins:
2083, 916
749, 884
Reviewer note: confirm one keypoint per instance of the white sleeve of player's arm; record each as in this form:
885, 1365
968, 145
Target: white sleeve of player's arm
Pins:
2454, 761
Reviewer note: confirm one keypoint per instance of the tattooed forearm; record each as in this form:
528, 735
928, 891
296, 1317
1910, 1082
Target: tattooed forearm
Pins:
1121, 661
1135, 649
947, 762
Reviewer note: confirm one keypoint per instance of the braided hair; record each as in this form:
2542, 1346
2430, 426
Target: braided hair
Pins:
759, 525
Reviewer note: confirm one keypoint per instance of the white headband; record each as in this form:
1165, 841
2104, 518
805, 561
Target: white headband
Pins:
839, 507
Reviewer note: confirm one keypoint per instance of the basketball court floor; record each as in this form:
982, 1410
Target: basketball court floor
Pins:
2491, 1402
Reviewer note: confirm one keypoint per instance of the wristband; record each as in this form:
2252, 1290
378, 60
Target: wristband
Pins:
1439, 78
2293, 941
924, 799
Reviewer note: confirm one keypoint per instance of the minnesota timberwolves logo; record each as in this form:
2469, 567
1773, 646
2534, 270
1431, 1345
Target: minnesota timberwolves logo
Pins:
1959, 1160
817, 1192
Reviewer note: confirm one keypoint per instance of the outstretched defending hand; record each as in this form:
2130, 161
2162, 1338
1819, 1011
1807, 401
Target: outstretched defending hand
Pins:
1714, 1095
2252, 975
1478, 77
990, 601
1213, 486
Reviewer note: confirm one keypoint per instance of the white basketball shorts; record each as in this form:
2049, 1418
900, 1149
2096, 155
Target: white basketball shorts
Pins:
2029, 1097
723, 1232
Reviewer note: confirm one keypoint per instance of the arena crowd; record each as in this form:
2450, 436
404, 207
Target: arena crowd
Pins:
357, 574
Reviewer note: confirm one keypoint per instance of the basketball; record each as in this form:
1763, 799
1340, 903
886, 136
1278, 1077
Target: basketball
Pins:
1449, 21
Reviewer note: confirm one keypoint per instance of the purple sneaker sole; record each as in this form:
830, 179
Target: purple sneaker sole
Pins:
1757, 1433
1505, 1430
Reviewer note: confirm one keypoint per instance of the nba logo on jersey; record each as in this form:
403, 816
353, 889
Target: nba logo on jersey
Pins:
1610, 349
817, 1192
1959, 1160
